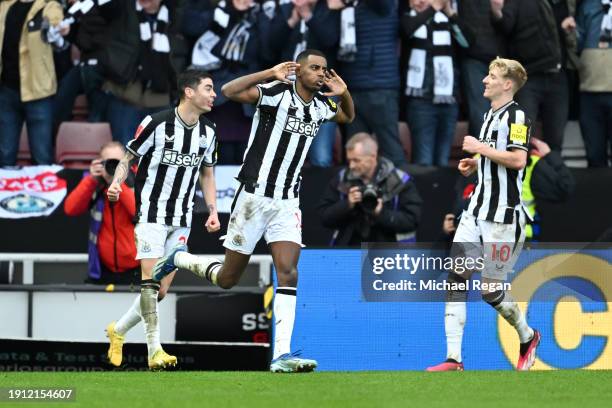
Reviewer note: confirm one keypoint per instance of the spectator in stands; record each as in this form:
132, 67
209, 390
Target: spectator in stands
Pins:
489, 42
595, 25
369, 64
139, 61
88, 33
112, 249
29, 29
430, 30
302, 24
230, 43
370, 200
541, 36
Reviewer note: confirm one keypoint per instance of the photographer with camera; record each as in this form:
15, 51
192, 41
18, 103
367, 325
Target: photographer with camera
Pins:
112, 249
371, 200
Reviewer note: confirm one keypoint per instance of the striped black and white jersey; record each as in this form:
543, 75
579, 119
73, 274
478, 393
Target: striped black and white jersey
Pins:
498, 192
171, 153
282, 131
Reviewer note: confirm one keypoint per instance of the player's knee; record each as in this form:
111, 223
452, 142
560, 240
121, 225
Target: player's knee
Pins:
287, 276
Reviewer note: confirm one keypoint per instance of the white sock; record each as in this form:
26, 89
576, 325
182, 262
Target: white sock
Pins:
198, 265
129, 319
148, 307
284, 316
510, 311
454, 322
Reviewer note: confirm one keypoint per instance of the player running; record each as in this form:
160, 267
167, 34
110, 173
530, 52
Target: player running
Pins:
174, 147
493, 225
288, 117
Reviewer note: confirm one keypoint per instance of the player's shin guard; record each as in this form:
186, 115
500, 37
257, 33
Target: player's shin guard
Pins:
454, 319
284, 317
129, 319
148, 305
507, 307
202, 266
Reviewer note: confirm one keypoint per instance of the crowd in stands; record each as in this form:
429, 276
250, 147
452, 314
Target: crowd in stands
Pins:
416, 61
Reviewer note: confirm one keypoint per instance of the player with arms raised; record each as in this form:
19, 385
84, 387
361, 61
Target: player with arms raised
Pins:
289, 114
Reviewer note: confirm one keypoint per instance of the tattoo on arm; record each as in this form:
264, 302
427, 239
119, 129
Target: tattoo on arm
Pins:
123, 168
211, 208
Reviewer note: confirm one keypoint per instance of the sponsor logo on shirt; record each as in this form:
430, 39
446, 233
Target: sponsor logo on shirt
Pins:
174, 158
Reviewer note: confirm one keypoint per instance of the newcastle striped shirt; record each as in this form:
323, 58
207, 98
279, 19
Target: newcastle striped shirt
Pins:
171, 153
498, 192
282, 131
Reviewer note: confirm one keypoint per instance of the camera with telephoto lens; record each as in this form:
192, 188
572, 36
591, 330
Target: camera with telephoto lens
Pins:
369, 198
110, 165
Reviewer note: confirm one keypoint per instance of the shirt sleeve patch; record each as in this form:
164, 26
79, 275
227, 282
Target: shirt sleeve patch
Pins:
518, 133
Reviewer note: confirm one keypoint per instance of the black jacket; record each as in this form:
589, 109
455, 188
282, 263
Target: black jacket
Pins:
551, 180
489, 41
125, 53
400, 214
323, 33
533, 38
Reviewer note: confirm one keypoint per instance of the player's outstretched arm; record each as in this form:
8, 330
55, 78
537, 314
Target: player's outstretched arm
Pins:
243, 89
337, 87
121, 173
209, 188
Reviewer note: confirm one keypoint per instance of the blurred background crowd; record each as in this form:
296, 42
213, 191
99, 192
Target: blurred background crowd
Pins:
414, 67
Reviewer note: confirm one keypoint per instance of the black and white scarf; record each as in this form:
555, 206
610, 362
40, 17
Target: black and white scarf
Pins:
606, 22
155, 33
348, 37
301, 44
235, 26
439, 29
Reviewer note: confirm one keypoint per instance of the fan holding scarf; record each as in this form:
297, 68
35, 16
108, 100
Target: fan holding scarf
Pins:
229, 38
430, 30
139, 62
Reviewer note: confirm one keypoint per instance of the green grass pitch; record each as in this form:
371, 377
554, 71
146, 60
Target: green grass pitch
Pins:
325, 389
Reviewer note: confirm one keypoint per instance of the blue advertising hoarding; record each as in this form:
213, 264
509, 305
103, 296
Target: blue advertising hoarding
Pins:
566, 294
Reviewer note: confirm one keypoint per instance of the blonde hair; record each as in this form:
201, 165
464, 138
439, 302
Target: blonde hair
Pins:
512, 70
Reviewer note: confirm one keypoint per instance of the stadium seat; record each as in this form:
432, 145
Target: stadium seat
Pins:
24, 157
78, 143
80, 109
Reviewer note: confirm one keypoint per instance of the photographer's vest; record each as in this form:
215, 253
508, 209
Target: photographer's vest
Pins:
532, 229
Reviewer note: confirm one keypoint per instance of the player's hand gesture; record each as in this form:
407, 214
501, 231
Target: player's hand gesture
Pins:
335, 84
113, 191
212, 223
471, 144
283, 70
467, 166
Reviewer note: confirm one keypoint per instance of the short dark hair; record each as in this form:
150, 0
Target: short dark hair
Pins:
190, 79
307, 53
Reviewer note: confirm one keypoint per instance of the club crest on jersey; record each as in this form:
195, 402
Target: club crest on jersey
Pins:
172, 157
296, 125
